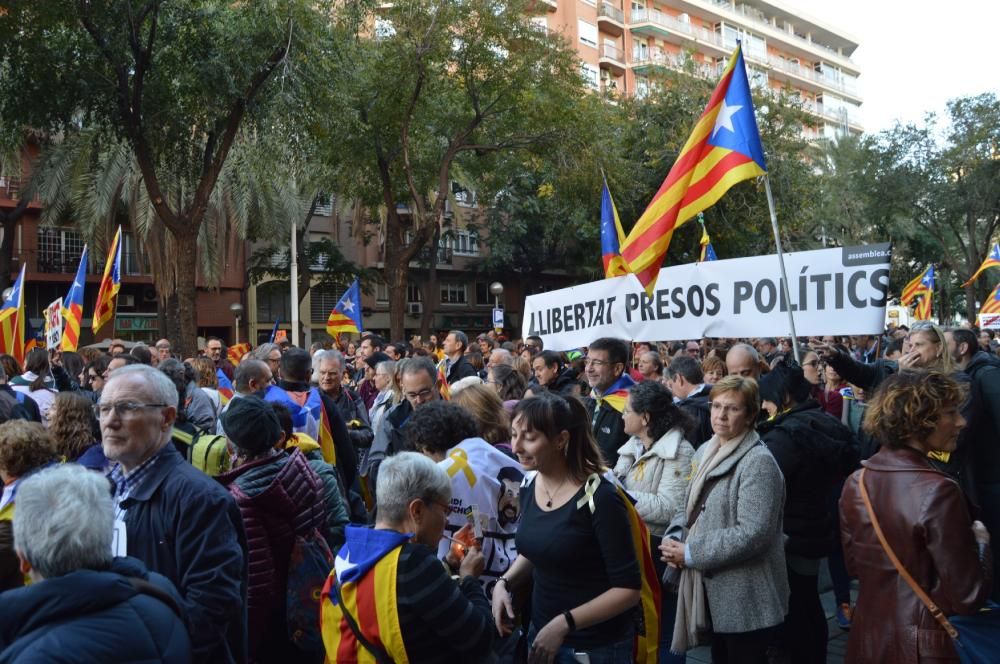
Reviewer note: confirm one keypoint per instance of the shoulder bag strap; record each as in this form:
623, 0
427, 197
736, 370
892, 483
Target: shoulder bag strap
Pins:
924, 597
381, 656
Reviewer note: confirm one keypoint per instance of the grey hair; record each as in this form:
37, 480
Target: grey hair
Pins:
506, 357
163, 389
748, 349
323, 356
405, 477
64, 520
414, 365
262, 351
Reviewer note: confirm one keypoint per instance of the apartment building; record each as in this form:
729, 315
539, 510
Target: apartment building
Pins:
622, 43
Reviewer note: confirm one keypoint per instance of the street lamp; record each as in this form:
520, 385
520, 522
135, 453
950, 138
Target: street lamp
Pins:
496, 288
237, 310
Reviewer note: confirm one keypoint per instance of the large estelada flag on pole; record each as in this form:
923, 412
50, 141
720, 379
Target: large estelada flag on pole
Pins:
922, 284
992, 303
104, 310
12, 321
723, 149
612, 236
73, 306
346, 316
992, 260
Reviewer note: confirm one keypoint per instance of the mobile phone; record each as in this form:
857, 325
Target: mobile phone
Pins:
581, 657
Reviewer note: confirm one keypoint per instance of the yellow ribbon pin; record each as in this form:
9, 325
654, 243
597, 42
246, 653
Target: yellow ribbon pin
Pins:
589, 489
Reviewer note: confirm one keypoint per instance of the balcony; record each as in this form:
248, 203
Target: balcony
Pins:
445, 256
612, 58
11, 188
643, 61
659, 24
810, 79
836, 116
610, 19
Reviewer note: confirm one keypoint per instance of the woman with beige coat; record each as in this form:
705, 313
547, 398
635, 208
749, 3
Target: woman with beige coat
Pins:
654, 467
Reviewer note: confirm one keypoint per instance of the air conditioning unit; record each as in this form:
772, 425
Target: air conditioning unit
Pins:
414, 308
126, 301
149, 294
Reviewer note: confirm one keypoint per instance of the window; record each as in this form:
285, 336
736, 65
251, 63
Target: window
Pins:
591, 75
59, 250
588, 33
413, 293
465, 243
322, 300
453, 293
462, 195
641, 87
273, 301
483, 296
382, 293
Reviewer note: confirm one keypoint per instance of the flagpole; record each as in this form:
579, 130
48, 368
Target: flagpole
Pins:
294, 273
781, 262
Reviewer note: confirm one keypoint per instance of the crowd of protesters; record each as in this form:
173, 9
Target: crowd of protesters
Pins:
467, 500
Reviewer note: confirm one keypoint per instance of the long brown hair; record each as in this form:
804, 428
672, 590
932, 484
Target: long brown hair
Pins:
73, 425
550, 415
484, 404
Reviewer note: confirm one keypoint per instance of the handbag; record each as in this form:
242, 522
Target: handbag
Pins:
979, 638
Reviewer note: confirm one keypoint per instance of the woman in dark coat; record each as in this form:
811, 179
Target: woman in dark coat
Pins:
925, 520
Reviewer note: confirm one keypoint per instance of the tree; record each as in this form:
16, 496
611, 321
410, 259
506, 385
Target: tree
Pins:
438, 84
175, 83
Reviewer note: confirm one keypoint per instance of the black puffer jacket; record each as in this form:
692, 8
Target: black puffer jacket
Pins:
696, 405
812, 449
983, 428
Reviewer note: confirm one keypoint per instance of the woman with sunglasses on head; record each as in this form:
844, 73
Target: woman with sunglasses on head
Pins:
573, 541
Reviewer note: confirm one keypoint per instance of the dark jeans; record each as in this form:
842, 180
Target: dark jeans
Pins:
619, 652
838, 569
802, 637
741, 647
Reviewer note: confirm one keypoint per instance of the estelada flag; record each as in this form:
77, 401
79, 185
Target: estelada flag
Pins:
443, 387
235, 353
612, 236
992, 303
72, 310
104, 310
992, 260
346, 316
707, 252
923, 309
922, 284
12, 321
723, 149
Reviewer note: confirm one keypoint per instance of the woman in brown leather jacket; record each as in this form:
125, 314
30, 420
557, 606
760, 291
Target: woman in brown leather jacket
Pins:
925, 519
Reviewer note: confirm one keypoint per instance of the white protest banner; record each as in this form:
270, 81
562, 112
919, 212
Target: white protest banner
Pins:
989, 321
53, 324
833, 291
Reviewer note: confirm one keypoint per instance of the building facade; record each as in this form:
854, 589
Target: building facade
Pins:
621, 43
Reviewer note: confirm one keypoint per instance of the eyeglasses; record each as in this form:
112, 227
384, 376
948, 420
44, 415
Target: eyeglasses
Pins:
422, 395
595, 363
123, 408
813, 363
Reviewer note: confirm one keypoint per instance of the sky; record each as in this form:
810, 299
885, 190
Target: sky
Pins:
915, 56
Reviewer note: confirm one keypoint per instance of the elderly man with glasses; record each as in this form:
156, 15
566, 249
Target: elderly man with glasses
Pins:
177, 520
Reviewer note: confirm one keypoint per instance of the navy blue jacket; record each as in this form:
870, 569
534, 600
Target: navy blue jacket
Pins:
93, 616
184, 525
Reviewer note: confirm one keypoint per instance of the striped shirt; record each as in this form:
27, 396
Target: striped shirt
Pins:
441, 620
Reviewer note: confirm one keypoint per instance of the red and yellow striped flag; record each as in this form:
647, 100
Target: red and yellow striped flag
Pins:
72, 311
992, 303
326, 445
992, 260
922, 284
723, 149
12, 321
104, 309
443, 387
235, 353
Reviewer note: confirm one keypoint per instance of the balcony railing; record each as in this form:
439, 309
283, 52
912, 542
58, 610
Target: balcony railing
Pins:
659, 58
812, 75
445, 256
611, 12
612, 52
11, 188
667, 21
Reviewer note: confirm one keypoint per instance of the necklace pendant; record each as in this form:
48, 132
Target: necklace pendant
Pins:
548, 504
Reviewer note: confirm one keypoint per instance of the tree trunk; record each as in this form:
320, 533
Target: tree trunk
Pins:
431, 292
396, 270
187, 292
970, 303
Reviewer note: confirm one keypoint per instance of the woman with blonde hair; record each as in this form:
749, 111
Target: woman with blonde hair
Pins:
484, 404
73, 426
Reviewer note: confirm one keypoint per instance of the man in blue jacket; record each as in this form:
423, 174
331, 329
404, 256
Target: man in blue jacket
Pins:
83, 605
178, 521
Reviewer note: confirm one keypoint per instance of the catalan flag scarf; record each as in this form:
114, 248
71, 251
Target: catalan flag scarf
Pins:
366, 568
615, 395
